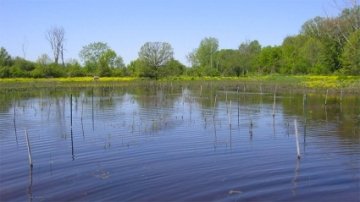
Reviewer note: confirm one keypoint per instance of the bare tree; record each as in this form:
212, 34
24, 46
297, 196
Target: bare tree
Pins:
55, 36
349, 19
156, 54
24, 47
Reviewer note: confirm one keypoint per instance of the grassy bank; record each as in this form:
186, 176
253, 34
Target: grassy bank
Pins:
324, 82
310, 82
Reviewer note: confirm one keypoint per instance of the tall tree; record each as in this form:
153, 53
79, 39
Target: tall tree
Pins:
56, 38
5, 58
204, 54
229, 62
351, 55
43, 60
269, 59
155, 55
313, 54
91, 53
108, 61
249, 53
99, 58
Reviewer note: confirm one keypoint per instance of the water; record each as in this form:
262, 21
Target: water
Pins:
169, 143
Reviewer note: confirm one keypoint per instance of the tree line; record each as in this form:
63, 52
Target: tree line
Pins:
325, 45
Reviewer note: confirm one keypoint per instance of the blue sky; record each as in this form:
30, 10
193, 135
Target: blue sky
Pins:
127, 24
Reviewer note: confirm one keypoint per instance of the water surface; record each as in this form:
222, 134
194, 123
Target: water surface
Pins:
178, 143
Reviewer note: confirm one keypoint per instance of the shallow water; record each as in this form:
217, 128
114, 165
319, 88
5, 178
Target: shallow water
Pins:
178, 143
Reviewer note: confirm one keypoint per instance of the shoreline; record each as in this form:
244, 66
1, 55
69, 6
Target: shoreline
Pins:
332, 82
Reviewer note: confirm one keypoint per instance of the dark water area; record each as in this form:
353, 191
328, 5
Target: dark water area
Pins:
167, 142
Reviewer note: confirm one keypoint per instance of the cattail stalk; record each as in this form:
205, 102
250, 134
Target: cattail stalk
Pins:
297, 139
29, 149
327, 91
71, 110
274, 104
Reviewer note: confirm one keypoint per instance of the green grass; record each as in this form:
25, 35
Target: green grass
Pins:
307, 81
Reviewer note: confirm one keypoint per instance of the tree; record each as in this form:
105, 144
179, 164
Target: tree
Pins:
91, 53
172, 68
100, 58
44, 59
73, 68
156, 55
203, 56
55, 36
229, 62
5, 58
269, 59
333, 33
351, 55
249, 52
327, 32
137, 68
292, 61
21, 67
108, 61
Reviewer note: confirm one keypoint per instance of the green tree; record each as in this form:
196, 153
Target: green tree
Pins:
333, 33
351, 55
5, 62
249, 53
293, 61
91, 53
21, 67
48, 71
203, 57
100, 59
312, 52
138, 68
5, 58
269, 59
229, 62
172, 68
109, 61
326, 31
155, 55
74, 69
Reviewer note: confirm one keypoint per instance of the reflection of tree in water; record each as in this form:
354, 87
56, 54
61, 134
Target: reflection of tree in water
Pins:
341, 118
156, 105
158, 102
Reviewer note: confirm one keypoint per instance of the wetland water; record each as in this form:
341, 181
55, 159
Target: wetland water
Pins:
178, 143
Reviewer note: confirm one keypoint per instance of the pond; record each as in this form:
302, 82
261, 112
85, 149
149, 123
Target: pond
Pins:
179, 142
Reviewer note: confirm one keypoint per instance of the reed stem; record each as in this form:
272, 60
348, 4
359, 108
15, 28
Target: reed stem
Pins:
214, 107
327, 91
229, 114
14, 121
238, 106
71, 110
29, 149
92, 108
297, 139
274, 104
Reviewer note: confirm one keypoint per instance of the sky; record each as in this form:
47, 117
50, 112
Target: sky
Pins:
125, 25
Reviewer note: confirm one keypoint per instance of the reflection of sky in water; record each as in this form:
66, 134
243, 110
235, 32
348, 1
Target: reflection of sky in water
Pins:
169, 146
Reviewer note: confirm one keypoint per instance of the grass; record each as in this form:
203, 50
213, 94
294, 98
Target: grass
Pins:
307, 81
67, 79
56, 82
